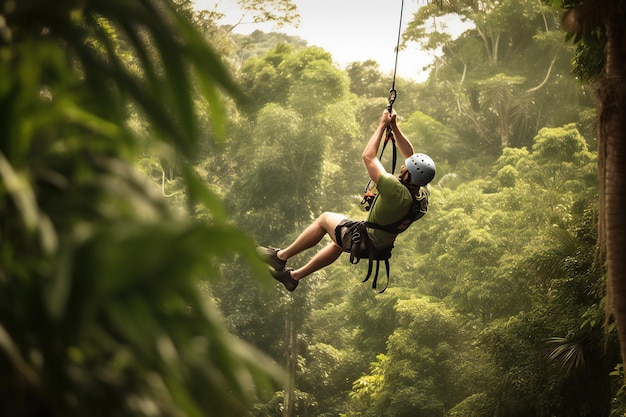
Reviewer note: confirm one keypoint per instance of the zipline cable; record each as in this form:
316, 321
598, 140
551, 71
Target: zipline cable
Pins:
392, 92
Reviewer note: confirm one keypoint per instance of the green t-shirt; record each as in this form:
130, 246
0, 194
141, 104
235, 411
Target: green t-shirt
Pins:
392, 203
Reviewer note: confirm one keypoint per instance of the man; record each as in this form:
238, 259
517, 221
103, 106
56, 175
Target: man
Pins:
395, 198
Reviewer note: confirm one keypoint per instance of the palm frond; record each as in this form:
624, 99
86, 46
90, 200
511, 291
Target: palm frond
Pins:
569, 352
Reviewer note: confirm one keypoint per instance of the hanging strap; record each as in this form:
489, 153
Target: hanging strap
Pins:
368, 196
375, 280
389, 138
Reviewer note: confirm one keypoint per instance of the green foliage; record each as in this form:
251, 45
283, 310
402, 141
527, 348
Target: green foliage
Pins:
589, 61
100, 307
258, 43
432, 136
477, 405
274, 77
499, 81
280, 179
495, 304
288, 149
279, 11
318, 87
366, 79
501, 265
480, 253
563, 144
419, 374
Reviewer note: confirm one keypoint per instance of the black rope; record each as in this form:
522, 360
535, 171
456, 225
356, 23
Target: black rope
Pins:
393, 84
393, 92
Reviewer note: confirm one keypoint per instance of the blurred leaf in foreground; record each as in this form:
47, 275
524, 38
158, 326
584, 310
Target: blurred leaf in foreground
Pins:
100, 311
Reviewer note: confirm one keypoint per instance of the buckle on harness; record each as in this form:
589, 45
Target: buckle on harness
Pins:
368, 200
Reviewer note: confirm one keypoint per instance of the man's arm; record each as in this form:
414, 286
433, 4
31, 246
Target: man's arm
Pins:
406, 149
374, 167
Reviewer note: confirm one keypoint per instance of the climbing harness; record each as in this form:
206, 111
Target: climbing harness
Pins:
362, 247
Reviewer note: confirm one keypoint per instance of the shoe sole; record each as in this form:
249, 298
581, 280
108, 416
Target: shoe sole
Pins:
273, 261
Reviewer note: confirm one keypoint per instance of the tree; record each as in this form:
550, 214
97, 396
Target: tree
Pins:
365, 79
299, 108
599, 27
498, 77
420, 374
279, 11
555, 358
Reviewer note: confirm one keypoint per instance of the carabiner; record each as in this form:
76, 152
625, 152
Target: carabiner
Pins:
391, 99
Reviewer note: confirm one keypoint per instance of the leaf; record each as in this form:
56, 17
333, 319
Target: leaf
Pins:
12, 352
199, 193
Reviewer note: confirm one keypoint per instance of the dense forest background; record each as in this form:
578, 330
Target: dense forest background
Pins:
496, 305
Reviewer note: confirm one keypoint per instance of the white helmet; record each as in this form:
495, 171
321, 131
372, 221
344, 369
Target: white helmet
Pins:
421, 167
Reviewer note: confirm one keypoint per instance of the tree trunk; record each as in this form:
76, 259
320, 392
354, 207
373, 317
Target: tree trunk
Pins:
612, 172
292, 357
504, 125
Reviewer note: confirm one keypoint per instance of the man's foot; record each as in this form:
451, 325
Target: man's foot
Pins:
270, 256
284, 276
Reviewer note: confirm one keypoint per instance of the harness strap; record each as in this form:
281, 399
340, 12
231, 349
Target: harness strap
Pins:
372, 255
413, 214
394, 156
375, 280
386, 269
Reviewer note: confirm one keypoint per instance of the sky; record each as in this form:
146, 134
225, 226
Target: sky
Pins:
351, 30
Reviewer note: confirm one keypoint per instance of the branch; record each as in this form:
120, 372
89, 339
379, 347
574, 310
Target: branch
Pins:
545, 80
458, 96
234, 25
485, 43
163, 185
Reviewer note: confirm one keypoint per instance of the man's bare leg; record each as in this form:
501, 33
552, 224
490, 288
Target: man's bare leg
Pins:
313, 234
325, 224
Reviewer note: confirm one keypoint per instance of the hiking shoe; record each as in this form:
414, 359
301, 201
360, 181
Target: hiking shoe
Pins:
284, 276
270, 257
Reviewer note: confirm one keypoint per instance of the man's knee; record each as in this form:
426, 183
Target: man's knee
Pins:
327, 215
330, 217
330, 220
